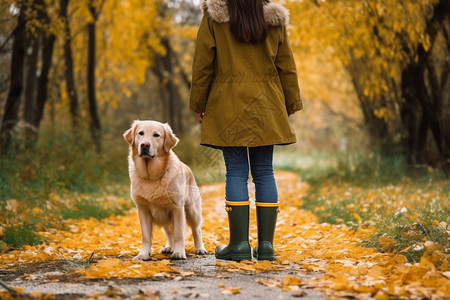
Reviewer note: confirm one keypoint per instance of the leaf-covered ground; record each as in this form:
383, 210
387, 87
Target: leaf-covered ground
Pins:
104, 249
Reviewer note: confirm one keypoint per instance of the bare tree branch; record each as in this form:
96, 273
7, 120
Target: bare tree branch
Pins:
6, 41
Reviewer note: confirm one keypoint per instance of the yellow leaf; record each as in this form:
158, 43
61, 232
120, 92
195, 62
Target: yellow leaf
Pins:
357, 217
362, 268
341, 284
109, 263
49, 296
12, 205
386, 243
231, 291
271, 282
36, 295
446, 274
426, 43
381, 296
289, 280
381, 113
366, 91
37, 210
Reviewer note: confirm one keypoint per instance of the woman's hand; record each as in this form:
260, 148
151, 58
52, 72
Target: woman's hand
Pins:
199, 117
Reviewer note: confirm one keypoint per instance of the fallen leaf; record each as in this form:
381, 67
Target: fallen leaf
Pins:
231, 291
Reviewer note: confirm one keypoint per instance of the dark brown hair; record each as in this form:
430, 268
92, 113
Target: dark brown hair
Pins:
247, 23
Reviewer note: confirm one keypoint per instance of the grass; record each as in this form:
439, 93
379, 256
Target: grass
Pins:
85, 209
421, 230
65, 178
409, 211
22, 234
60, 178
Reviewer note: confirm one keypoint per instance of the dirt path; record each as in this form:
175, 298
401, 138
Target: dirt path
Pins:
201, 278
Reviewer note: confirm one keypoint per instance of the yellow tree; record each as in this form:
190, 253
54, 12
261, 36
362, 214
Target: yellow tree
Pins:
375, 40
136, 38
107, 47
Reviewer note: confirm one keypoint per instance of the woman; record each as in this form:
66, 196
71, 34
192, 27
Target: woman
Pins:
244, 87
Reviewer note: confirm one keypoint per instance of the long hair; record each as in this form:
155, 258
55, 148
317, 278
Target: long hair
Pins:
247, 23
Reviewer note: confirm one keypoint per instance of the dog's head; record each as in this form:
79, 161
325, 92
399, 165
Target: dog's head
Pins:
150, 138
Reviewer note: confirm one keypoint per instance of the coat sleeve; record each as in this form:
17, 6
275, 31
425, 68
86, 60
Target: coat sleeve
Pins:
203, 65
288, 75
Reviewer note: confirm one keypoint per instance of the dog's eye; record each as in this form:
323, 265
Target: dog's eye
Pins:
141, 133
156, 135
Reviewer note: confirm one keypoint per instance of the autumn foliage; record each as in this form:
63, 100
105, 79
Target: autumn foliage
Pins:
377, 70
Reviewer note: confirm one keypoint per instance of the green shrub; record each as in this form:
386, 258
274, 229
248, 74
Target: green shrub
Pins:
47, 181
86, 209
22, 234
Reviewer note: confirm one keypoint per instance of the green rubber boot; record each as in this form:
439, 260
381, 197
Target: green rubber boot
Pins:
266, 217
238, 248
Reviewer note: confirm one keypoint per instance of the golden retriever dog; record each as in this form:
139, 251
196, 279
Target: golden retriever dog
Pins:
163, 189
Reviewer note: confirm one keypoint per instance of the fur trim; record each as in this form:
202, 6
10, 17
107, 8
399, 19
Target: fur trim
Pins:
217, 9
275, 14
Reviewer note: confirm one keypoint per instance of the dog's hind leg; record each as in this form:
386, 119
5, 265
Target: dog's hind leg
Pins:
168, 232
194, 220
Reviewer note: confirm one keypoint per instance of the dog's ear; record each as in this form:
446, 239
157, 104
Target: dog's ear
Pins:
129, 134
170, 140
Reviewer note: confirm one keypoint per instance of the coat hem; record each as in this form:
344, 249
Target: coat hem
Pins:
288, 141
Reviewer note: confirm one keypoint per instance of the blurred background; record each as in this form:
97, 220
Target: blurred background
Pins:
74, 74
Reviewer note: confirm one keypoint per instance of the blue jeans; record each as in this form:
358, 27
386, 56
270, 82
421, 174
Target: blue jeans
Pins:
237, 161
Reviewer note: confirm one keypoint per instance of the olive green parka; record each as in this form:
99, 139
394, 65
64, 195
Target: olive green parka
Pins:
246, 91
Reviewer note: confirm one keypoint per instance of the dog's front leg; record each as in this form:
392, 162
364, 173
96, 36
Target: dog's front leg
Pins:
145, 219
179, 224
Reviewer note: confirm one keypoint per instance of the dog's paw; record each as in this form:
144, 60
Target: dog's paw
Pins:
201, 251
179, 255
167, 250
142, 256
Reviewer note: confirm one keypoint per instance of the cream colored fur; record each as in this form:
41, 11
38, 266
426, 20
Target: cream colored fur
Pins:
163, 189
275, 14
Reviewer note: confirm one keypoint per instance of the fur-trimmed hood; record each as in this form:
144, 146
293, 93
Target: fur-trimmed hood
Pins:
275, 14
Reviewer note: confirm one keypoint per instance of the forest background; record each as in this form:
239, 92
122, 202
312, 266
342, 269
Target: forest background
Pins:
374, 75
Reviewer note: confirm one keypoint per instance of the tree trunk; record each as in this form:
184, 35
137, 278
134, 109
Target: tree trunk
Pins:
93, 111
35, 108
12, 105
29, 107
170, 93
69, 72
376, 128
417, 98
158, 70
410, 113
48, 44
430, 101
174, 94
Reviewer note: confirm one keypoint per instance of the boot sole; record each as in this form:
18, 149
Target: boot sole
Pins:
235, 257
262, 257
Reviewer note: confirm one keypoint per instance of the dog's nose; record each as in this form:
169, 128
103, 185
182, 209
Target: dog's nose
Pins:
145, 145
